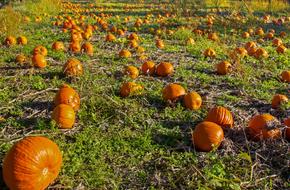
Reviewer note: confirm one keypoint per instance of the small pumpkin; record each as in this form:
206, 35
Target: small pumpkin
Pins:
10, 41
64, 116
261, 53
88, 48
130, 88
67, 95
75, 47
133, 36
281, 49
110, 38
259, 32
20, 59
40, 50
159, 44
172, 92
148, 67
164, 69
223, 67
282, 34
277, 42
32, 163
133, 44
246, 35
132, 72
22, 40
250, 44
58, 46
192, 100
209, 53
240, 52
269, 35
285, 76
140, 50
221, 116
263, 127
278, 99
190, 41
207, 135
73, 67
124, 53
39, 61
213, 36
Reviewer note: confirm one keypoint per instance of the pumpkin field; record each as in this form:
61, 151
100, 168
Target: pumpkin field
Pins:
144, 95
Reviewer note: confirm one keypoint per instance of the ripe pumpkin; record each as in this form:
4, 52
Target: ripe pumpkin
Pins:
207, 135
159, 44
10, 41
67, 95
261, 127
133, 36
261, 53
221, 116
75, 46
20, 59
40, 50
277, 42
164, 69
223, 67
209, 53
140, 50
282, 34
32, 163
130, 88
64, 116
285, 75
269, 35
287, 130
124, 53
148, 67
281, 49
73, 67
278, 99
132, 72
245, 35
39, 61
250, 44
133, 44
172, 92
190, 41
213, 36
192, 100
110, 38
120, 32
241, 52
88, 48
259, 32
58, 46
22, 40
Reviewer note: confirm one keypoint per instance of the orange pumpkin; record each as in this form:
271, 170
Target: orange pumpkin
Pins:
192, 101
20, 58
133, 36
22, 40
75, 46
88, 48
73, 67
40, 50
67, 95
287, 130
282, 34
124, 53
110, 38
250, 44
58, 46
269, 35
281, 49
209, 53
223, 67
64, 116
259, 32
261, 53
245, 35
190, 41
240, 52
221, 116
140, 50
278, 99
213, 36
133, 44
130, 88
263, 127
32, 163
120, 32
132, 72
285, 76
159, 44
148, 67
172, 92
10, 41
277, 42
39, 61
207, 135
164, 69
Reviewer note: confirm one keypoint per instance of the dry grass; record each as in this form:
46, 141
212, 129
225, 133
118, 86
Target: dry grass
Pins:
9, 21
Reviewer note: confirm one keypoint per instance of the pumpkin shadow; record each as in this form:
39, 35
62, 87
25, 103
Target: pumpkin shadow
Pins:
52, 75
38, 105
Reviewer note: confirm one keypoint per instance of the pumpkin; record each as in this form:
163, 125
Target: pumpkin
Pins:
240, 52
287, 130
209, 53
164, 69
39, 61
213, 36
124, 53
140, 50
132, 72
172, 92
190, 41
251, 51
223, 67
192, 100
20, 58
120, 32
73, 67
32, 163
148, 67
58, 46
67, 95
133, 36
282, 34
64, 116
130, 88
245, 35
269, 35
259, 32
285, 75
110, 38
250, 44
261, 53
277, 42
75, 46
9, 41
221, 116
263, 127
207, 135
22, 40
133, 44
159, 44
40, 50
281, 49
88, 48
278, 99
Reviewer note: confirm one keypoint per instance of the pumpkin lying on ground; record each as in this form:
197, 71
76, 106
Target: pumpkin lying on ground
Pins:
207, 135
130, 88
58, 46
67, 95
159, 44
172, 92
209, 53
221, 116
110, 38
148, 67
73, 67
10, 41
192, 100
287, 130
40, 50
22, 40
64, 116
131, 71
32, 163
281, 49
278, 99
263, 127
164, 69
20, 58
124, 53
223, 67
285, 76
88, 48
39, 61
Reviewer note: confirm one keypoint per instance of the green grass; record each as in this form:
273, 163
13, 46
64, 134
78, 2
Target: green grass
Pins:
140, 141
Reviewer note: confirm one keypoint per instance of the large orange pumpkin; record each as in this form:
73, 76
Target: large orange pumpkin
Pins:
263, 127
39, 61
124, 53
73, 67
164, 69
223, 67
148, 67
67, 95
221, 116
209, 53
278, 99
64, 116
173, 92
88, 48
207, 135
32, 163
281, 49
9, 41
192, 100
